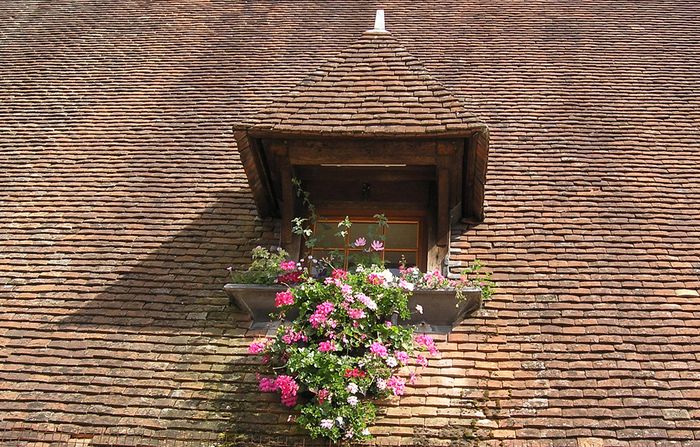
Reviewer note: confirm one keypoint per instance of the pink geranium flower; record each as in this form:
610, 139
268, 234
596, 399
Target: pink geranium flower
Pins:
289, 401
320, 315
322, 395
378, 349
291, 336
401, 356
339, 274
288, 388
326, 346
367, 301
288, 266
267, 385
397, 385
375, 279
377, 246
284, 298
346, 290
256, 347
360, 242
427, 342
356, 314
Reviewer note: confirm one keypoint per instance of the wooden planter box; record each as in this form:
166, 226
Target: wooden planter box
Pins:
441, 309
256, 300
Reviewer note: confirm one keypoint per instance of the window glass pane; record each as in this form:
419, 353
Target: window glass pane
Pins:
402, 235
393, 258
335, 257
369, 231
365, 258
401, 238
325, 234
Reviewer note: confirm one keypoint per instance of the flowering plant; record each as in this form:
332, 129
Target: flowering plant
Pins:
342, 351
269, 267
472, 276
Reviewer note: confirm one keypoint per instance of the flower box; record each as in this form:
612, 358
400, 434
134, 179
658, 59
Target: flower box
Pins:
441, 308
256, 300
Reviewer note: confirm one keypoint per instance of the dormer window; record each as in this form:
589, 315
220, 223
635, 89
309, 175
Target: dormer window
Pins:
370, 132
401, 241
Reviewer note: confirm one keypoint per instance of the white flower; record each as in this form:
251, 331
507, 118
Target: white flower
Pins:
387, 275
365, 432
339, 420
327, 423
371, 305
359, 268
391, 361
381, 384
352, 388
367, 301
419, 309
406, 285
352, 400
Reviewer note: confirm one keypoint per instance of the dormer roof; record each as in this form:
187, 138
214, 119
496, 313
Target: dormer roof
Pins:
374, 88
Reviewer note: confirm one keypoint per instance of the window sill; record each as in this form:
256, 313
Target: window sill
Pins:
441, 309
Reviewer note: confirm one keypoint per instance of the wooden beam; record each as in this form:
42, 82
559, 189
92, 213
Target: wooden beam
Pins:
305, 156
447, 147
332, 174
469, 177
443, 199
481, 156
251, 157
345, 208
287, 200
309, 152
456, 174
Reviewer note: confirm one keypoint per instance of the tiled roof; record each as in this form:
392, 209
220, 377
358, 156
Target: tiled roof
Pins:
122, 200
374, 87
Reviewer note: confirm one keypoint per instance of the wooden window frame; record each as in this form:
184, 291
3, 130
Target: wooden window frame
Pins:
362, 217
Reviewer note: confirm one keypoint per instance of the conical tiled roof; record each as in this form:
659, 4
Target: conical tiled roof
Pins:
375, 87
